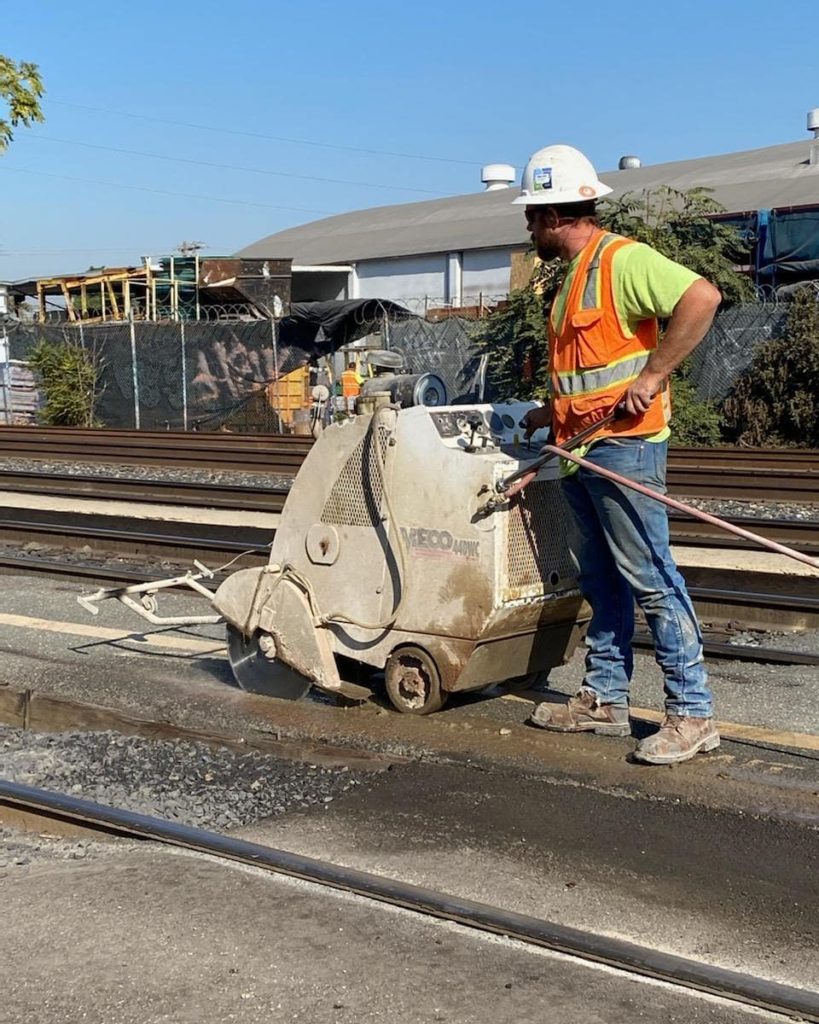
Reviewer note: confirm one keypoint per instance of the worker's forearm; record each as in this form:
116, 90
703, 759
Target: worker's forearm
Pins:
688, 325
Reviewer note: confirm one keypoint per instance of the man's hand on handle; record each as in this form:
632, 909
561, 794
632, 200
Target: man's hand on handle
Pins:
638, 397
537, 418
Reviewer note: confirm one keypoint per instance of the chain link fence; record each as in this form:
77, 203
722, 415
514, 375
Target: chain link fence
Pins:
194, 375
729, 348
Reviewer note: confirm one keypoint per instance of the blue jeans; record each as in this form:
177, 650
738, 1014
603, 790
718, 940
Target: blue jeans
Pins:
622, 552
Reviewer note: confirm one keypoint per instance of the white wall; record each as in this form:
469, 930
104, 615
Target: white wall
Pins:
440, 278
406, 277
485, 272
420, 282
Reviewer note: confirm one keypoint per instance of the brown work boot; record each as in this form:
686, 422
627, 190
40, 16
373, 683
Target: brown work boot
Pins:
678, 739
582, 713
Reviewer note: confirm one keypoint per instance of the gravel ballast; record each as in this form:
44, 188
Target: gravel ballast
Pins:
181, 781
133, 472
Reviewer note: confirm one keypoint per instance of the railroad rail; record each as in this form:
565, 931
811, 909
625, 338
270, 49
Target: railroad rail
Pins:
34, 807
258, 453
777, 474
275, 459
749, 605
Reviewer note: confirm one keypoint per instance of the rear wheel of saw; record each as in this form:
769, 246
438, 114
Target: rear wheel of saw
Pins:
413, 682
257, 669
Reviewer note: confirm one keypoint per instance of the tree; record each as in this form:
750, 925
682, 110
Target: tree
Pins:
20, 90
776, 401
515, 337
69, 376
683, 226
680, 225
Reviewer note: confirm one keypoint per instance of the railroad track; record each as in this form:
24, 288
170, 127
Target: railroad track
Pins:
258, 453
750, 603
42, 810
782, 474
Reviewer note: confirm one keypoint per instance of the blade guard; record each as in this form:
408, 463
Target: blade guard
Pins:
259, 599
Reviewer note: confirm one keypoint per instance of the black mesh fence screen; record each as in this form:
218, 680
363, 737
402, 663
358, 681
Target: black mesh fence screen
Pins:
730, 346
141, 378
205, 376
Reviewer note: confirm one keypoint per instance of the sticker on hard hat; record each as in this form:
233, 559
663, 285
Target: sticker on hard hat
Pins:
541, 178
586, 191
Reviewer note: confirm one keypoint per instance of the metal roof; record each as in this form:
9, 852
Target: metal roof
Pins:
769, 178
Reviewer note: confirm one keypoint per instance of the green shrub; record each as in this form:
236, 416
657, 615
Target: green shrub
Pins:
776, 401
693, 422
69, 379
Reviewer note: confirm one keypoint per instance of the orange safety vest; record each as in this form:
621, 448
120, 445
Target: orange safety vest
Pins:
350, 384
591, 360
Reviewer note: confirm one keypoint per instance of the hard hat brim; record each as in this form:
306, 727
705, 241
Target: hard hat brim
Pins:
559, 198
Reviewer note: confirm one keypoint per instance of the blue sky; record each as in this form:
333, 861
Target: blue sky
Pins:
385, 102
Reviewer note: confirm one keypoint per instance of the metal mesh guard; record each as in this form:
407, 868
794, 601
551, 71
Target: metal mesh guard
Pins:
355, 499
537, 547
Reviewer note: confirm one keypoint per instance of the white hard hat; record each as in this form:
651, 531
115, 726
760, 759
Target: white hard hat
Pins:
559, 174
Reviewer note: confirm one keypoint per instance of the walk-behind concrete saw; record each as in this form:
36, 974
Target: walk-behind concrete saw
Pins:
385, 560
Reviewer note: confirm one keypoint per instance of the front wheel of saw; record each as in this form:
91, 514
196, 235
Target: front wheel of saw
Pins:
257, 669
413, 682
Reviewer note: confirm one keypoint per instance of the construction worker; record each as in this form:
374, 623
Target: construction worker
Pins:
351, 381
604, 352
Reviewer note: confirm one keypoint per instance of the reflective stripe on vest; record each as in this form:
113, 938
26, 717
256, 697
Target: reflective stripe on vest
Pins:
586, 382
591, 293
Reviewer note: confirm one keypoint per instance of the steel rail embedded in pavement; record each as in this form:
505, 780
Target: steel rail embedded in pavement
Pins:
601, 949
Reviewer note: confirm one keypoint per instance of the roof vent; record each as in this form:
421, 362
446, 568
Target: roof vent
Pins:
496, 176
629, 163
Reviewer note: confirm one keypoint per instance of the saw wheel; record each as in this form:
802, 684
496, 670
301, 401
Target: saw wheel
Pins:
412, 681
257, 669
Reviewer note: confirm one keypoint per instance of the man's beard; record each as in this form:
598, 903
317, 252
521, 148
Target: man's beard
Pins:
547, 250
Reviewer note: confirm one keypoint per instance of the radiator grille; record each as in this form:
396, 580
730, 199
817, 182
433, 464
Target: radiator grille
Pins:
537, 548
355, 499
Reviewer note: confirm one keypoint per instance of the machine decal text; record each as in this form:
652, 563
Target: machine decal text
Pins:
439, 542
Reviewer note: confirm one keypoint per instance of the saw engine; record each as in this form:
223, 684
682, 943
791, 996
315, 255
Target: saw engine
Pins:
384, 561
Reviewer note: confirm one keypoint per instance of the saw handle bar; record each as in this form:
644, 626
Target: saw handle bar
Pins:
146, 605
619, 412
680, 506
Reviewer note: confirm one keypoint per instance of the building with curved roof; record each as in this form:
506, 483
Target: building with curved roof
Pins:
458, 251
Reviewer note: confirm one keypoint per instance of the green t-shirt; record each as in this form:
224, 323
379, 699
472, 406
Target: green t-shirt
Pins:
646, 285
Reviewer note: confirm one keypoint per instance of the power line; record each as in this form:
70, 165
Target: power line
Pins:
165, 192
234, 167
269, 138
8, 253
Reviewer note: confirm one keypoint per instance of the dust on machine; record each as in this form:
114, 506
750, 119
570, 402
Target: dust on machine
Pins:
385, 563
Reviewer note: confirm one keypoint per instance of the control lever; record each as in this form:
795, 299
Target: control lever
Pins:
510, 485
474, 423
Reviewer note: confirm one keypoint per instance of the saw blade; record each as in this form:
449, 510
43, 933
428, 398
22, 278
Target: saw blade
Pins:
255, 672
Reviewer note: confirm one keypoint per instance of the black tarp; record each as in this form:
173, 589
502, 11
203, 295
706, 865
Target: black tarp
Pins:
794, 244
337, 322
